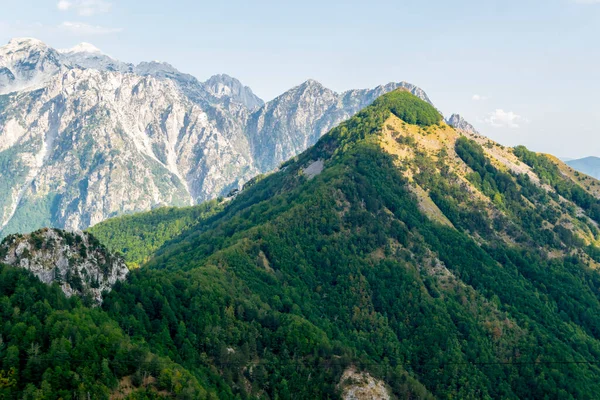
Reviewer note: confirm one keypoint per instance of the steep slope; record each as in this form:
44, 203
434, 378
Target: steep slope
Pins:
434, 261
587, 165
77, 262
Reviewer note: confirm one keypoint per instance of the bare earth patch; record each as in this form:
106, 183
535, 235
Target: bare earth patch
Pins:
314, 169
362, 386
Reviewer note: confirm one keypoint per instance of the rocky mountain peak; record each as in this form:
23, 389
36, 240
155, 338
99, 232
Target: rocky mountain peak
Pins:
24, 42
459, 123
88, 56
82, 48
312, 84
295, 120
310, 92
25, 63
157, 68
76, 261
223, 85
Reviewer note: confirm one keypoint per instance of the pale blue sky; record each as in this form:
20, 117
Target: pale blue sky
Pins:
535, 65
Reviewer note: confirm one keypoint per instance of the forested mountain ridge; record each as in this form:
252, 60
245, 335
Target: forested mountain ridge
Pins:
437, 261
137, 237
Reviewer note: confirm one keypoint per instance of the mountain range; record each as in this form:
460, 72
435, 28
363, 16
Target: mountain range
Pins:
85, 137
398, 257
587, 165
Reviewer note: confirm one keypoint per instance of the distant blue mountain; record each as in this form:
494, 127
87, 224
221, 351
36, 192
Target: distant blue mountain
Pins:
587, 165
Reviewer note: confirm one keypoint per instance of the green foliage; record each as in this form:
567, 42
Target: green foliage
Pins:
515, 195
551, 175
32, 214
7, 381
409, 108
53, 347
369, 122
138, 236
488, 178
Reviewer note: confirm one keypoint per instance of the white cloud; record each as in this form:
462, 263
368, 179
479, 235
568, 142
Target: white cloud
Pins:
63, 5
85, 8
478, 97
81, 28
504, 119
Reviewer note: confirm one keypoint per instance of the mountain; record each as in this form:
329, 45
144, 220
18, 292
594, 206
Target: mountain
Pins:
95, 144
224, 86
76, 261
587, 165
86, 56
459, 123
26, 62
399, 257
85, 137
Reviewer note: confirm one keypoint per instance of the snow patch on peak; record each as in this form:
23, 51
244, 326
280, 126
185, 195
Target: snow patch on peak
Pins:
88, 56
82, 48
25, 42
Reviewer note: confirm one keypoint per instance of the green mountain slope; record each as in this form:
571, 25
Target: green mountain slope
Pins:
138, 236
439, 263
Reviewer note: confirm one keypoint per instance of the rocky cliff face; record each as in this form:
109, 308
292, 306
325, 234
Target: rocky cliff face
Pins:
26, 63
94, 144
355, 385
84, 137
228, 88
459, 123
76, 261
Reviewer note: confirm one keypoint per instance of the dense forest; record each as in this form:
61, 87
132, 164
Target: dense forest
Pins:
53, 347
278, 292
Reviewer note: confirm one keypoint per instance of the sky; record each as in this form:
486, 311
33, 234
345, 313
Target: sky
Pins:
522, 72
